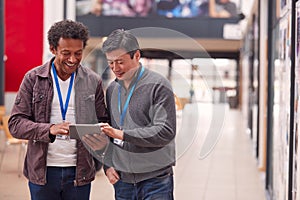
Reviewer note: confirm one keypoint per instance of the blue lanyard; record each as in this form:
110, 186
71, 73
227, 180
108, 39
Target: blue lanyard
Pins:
63, 108
123, 113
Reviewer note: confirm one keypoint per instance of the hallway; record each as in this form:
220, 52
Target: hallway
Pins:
228, 172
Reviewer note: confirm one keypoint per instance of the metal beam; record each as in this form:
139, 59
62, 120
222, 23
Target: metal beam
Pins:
192, 27
270, 103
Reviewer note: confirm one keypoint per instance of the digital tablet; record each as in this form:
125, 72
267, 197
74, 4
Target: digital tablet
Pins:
79, 130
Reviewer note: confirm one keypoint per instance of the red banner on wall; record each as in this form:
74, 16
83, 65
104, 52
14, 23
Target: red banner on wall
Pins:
23, 39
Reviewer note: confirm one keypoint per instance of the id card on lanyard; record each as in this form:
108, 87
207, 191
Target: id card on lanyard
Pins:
63, 107
124, 111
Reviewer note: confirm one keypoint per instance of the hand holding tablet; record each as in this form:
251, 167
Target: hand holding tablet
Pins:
90, 134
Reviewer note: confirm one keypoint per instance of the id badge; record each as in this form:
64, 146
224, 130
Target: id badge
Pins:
119, 142
62, 137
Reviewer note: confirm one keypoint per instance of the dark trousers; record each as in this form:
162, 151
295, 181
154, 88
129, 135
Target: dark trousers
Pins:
60, 186
160, 188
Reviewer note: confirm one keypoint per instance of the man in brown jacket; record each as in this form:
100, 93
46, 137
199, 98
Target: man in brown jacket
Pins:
51, 97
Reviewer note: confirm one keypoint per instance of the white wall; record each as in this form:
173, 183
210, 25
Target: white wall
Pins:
53, 12
246, 9
9, 99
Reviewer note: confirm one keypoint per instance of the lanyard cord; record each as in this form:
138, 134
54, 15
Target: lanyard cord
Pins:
63, 108
123, 113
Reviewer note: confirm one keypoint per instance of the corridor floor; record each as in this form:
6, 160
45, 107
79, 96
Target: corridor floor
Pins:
215, 160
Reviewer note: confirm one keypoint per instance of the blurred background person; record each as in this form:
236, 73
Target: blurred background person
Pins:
178, 8
222, 8
140, 8
127, 8
84, 7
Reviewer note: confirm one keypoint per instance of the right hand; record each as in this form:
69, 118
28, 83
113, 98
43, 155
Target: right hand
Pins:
60, 129
112, 175
112, 132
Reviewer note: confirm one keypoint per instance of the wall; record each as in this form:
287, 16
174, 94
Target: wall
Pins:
26, 45
53, 12
23, 39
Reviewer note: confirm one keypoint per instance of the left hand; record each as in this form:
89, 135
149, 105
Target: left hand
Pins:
95, 141
112, 132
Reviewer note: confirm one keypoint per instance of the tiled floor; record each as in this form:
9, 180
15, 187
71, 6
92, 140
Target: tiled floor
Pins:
228, 172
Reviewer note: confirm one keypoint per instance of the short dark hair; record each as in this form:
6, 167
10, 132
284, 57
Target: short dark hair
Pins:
120, 39
67, 29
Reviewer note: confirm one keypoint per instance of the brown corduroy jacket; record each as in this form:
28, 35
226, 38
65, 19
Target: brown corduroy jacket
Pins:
30, 119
